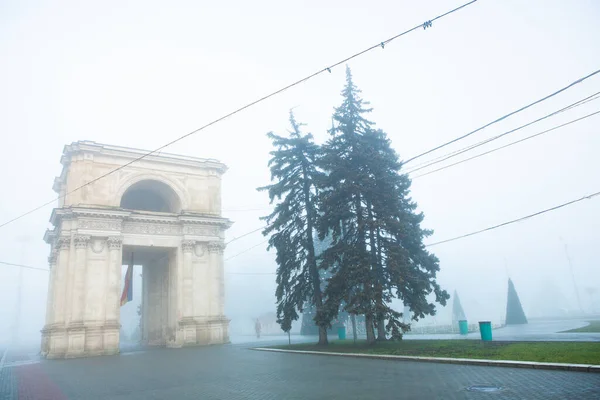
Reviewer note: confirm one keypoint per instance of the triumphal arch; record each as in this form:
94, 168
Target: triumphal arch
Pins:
164, 209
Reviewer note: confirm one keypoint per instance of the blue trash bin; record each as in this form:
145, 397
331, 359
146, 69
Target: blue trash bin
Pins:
463, 327
485, 328
342, 333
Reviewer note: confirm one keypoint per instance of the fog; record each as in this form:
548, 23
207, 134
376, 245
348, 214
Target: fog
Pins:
140, 74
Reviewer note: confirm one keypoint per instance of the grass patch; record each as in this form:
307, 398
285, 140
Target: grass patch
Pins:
559, 352
593, 327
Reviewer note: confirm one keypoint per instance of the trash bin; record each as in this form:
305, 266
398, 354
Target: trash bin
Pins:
485, 328
463, 327
342, 333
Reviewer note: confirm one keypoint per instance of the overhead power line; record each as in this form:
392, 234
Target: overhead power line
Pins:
246, 234
251, 273
577, 104
24, 266
472, 233
481, 143
246, 250
589, 196
425, 25
427, 245
506, 145
248, 209
503, 117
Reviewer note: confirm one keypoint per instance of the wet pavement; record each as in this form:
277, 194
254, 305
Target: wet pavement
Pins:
237, 372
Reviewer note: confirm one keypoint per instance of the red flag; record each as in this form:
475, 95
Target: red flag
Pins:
127, 294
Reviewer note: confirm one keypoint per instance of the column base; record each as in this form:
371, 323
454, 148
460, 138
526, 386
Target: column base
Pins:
54, 341
203, 331
80, 340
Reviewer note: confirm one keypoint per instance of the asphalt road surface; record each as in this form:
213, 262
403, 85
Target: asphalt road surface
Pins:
237, 372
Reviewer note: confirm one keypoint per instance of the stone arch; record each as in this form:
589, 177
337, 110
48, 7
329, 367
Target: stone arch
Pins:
149, 192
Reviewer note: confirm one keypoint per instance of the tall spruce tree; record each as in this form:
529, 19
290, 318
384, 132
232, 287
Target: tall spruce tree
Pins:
343, 212
292, 225
377, 250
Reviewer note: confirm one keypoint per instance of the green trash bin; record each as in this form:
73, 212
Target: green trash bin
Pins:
485, 328
463, 327
342, 333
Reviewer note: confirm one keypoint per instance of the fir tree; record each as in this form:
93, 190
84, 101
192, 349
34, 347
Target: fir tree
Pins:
294, 172
343, 208
377, 250
308, 326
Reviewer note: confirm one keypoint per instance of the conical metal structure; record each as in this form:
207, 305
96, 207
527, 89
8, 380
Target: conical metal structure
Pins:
458, 314
514, 310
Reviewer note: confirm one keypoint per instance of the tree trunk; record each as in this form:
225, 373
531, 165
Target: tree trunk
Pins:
377, 268
312, 259
323, 336
353, 320
369, 328
381, 329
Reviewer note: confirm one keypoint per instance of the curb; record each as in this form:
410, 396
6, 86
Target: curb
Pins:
446, 360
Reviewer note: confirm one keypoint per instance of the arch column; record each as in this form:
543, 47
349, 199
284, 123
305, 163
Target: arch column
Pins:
49, 302
54, 334
76, 333
218, 323
217, 281
189, 320
113, 287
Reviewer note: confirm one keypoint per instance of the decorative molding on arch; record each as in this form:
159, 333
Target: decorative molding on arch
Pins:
145, 176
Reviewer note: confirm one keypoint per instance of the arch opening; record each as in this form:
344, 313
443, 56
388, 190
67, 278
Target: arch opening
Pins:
151, 195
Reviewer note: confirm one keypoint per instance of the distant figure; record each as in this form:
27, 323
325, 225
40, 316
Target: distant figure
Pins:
257, 328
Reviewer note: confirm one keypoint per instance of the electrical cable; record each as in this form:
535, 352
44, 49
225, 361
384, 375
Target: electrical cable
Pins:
503, 117
506, 145
481, 143
425, 25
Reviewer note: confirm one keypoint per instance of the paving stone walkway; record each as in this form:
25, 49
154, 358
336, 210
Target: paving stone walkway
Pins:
236, 372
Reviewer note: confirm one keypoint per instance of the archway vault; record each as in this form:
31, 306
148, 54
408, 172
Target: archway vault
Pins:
151, 195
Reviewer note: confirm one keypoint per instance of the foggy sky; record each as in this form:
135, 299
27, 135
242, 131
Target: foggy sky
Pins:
140, 74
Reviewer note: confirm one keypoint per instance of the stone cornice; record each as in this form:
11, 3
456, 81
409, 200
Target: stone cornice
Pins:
187, 218
153, 217
91, 220
71, 212
203, 219
129, 154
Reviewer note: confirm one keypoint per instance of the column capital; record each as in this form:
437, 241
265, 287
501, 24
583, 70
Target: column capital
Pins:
81, 241
114, 242
188, 246
63, 243
216, 247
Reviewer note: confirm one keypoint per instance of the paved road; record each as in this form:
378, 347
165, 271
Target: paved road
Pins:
236, 372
